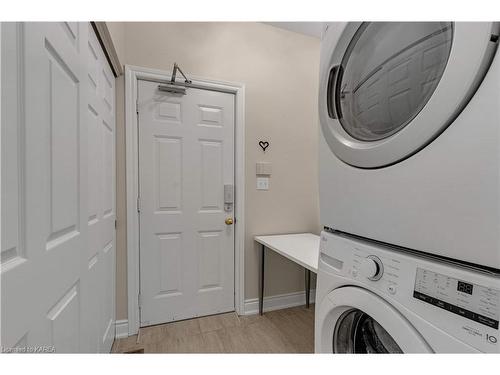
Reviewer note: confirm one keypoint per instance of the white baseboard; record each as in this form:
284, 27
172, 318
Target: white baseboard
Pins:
280, 301
121, 329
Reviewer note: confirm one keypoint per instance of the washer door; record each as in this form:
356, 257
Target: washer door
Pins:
387, 89
354, 320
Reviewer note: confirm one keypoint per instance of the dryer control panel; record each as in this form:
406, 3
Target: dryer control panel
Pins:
472, 301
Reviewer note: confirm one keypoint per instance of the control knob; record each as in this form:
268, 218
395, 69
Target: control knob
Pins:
371, 268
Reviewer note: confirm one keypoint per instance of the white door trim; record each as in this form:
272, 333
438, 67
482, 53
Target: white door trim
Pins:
132, 74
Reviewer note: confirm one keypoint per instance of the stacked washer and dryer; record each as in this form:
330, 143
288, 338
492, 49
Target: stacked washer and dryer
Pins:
409, 188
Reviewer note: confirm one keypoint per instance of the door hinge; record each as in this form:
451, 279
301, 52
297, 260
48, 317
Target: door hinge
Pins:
138, 204
137, 106
116, 221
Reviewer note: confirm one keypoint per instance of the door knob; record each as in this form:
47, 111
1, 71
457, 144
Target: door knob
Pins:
229, 221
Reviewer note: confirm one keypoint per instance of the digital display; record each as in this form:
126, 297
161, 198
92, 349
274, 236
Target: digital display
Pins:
471, 301
464, 287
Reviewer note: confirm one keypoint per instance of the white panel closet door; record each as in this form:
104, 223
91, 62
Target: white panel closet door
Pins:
100, 84
186, 155
57, 263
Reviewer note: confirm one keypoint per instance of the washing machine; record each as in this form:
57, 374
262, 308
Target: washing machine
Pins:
410, 136
376, 299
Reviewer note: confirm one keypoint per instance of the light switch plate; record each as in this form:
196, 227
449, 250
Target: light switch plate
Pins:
263, 168
262, 183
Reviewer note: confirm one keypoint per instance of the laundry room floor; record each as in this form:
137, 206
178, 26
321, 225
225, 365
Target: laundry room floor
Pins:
281, 331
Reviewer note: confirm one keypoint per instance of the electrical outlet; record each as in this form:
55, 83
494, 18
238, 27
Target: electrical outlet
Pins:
262, 183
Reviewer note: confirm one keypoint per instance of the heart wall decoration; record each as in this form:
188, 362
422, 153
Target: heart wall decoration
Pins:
264, 145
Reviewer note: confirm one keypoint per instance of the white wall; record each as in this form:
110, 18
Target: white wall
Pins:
280, 71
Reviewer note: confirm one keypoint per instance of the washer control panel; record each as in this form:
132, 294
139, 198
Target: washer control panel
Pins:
472, 301
371, 267
460, 301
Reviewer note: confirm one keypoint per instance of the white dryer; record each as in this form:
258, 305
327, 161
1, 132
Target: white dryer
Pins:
410, 136
371, 299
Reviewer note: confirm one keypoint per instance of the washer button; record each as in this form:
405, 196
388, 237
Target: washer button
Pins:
392, 289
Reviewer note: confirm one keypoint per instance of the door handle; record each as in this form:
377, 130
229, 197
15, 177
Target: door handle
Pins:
333, 76
229, 221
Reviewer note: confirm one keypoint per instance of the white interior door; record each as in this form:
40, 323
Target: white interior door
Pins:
101, 197
186, 156
58, 206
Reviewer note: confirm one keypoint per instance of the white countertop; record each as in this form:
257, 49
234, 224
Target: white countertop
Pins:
302, 248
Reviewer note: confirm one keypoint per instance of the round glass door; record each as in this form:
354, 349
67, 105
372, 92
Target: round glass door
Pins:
357, 332
388, 73
352, 319
388, 89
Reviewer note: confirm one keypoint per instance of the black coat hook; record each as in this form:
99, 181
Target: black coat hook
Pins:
264, 145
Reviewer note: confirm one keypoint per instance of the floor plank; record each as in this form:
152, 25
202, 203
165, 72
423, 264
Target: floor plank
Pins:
281, 331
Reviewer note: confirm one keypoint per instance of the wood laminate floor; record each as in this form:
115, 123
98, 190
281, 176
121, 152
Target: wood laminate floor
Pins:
281, 331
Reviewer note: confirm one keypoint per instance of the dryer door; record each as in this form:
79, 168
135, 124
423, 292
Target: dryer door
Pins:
387, 89
354, 320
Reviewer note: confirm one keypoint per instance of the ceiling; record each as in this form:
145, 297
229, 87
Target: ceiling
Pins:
307, 28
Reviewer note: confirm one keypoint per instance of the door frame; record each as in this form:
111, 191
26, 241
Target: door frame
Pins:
132, 75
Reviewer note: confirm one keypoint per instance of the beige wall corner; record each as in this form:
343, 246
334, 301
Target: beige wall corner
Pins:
116, 32
280, 70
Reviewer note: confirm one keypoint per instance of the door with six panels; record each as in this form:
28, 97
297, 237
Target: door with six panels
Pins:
58, 189
186, 158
